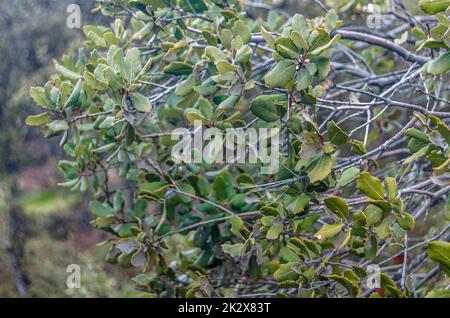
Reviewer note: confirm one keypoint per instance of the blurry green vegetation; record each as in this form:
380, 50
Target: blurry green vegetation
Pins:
47, 201
49, 274
45, 225
54, 230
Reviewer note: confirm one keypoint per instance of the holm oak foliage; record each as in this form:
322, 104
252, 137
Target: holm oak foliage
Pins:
364, 165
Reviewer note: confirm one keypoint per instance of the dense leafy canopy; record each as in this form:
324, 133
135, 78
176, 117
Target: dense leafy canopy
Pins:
364, 132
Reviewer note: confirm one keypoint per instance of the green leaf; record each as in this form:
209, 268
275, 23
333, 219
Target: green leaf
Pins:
317, 39
194, 6
144, 279
323, 65
243, 55
110, 38
69, 184
406, 221
229, 103
178, 68
346, 239
84, 184
434, 6
101, 209
443, 129
188, 101
225, 38
275, 230
447, 209
418, 33
371, 247
358, 147
133, 64
225, 67
300, 25
304, 79
328, 231
144, 31
298, 204
205, 108
186, 187
93, 82
104, 148
371, 186
331, 19
240, 28
185, 87
288, 254
285, 272
359, 219
348, 176
281, 74
322, 168
96, 39
308, 99
39, 96
349, 285
223, 186
382, 231
264, 106
55, 128
311, 147
397, 204
235, 250
69, 169
382, 204
439, 31
335, 134
298, 40
155, 4
313, 249
193, 115
153, 189
268, 37
37, 120
141, 103
55, 96
322, 48
286, 52
237, 225
440, 65
66, 72
439, 251
337, 206
419, 154
215, 54
391, 188
373, 214
210, 38
417, 134
295, 124
74, 95
389, 287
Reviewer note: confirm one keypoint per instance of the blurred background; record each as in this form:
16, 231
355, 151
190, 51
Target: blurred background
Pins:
43, 228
